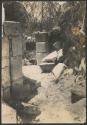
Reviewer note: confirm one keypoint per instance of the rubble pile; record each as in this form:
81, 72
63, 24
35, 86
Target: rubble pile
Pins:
62, 77
58, 96
62, 90
63, 86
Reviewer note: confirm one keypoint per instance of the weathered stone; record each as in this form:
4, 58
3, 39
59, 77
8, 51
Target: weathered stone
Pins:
12, 28
12, 71
47, 67
81, 103
82, 66
17, 46
5, 62
18, 81
5, 46
5, 76
30, 87
16, 67
79, 109
41, 36
41, 47
68, 71
78, 90
40, 56
30, 111
6, 94
17, 91
77, 94
50, 57
58, 69
59, 54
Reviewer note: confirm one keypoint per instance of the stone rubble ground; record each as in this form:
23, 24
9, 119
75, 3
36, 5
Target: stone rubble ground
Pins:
54, 99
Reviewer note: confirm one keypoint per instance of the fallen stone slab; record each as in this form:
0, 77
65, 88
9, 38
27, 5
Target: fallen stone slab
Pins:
68, 71
82, 66
78, 90
58, 69
30, 88
29, 110
50, 57
32, 72
59, 54
79, 105
79, 109
47, 67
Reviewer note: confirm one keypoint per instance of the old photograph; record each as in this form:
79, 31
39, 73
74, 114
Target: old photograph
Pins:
43, 62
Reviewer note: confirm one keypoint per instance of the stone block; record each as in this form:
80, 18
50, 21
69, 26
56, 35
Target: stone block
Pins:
78, 92
41, 47
40, 56
41, 36
58, 69
12, 28
17, 46
5, 62
18, 81
5, 76
6, 94
5, 46
17, 90
50, 57
47, 67
16, 67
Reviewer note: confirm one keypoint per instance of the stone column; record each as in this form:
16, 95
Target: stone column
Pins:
41, 45
12, 78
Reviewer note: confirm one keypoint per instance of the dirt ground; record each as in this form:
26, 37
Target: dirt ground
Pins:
54, 99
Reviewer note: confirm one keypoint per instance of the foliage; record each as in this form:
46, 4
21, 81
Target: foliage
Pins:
48, 14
